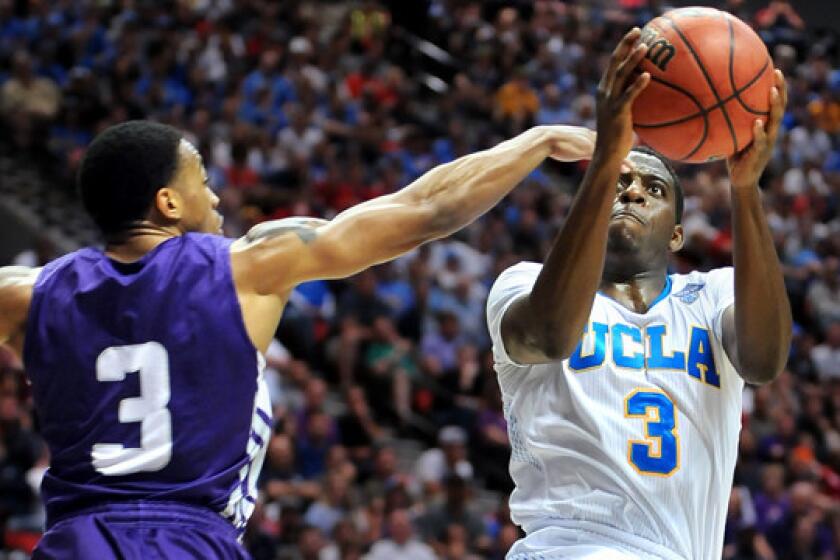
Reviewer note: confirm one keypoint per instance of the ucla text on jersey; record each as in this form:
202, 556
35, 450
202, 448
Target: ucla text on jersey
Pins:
635, 348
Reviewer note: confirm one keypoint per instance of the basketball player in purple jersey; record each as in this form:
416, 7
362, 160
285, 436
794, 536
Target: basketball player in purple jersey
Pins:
146, 358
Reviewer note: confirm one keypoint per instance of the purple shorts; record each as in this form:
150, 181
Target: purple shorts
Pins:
141, 531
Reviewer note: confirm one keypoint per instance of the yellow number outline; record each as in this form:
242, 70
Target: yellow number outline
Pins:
650, 440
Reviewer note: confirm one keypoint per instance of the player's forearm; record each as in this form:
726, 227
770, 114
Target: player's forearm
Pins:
561, 300
762, 311
460, 191
562, 296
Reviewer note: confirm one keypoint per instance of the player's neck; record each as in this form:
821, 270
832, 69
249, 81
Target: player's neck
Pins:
636, 291
134, 242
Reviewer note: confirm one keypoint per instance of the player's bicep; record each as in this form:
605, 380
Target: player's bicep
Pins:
279, 255
369, 234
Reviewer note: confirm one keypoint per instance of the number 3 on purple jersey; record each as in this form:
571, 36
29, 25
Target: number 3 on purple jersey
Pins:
659, 453
151, 362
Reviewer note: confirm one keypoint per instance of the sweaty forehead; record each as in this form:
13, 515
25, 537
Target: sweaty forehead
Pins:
648, 164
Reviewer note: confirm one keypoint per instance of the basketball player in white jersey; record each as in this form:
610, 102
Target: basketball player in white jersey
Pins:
622, 384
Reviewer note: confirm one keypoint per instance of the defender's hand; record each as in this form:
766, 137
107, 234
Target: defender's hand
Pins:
571, 143
746, 167
619, 87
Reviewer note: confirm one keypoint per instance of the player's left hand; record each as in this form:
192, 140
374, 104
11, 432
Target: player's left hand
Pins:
746, 167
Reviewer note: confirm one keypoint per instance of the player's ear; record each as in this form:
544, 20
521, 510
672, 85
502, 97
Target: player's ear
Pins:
169, 203
677, 239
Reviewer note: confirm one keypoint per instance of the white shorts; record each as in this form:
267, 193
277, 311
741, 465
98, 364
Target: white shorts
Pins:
585, 541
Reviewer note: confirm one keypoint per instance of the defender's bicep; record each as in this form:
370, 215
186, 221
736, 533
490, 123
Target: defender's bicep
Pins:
278, 258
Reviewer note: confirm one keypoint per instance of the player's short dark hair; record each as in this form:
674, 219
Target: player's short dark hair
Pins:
678, 192
122, 170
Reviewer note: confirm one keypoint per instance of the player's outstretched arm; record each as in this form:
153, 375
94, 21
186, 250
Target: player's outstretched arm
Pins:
546, 324
276, 256
757, 329
15, 294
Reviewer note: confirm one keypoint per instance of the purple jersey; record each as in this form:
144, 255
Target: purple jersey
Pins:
146, 384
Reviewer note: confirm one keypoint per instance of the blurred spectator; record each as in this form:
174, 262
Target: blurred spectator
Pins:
333, 504
826, 356
439, 348
315, 396
390, 367
437, 523
359, 431
384, 475
314, 444
516, 102
310, 543
401, 542
28, 94
358, 308
824, 294
779, 22
450, 458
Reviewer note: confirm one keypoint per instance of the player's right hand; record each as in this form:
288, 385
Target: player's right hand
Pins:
619, 87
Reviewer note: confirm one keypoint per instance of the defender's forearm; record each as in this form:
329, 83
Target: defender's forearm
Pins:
460, 191
762, 311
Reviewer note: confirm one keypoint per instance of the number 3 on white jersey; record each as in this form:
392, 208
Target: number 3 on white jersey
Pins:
151, 362
659, 453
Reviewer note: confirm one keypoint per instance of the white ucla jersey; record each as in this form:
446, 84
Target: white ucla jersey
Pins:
636, 433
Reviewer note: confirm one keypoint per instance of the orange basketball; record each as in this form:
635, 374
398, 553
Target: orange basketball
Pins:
710, 79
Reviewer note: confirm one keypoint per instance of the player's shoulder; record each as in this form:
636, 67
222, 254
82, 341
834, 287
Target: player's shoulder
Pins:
210, 241
44, 274
516, 278
200, 249
520, 271
688, 287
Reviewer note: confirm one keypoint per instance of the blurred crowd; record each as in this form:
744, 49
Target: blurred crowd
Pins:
306, 108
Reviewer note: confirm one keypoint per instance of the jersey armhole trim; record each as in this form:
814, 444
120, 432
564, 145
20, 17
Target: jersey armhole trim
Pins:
508, 359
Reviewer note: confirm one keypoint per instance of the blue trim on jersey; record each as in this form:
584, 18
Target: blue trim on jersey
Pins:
666, 291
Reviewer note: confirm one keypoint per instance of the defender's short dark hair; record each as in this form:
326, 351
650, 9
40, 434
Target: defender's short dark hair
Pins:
678, 192
122, 170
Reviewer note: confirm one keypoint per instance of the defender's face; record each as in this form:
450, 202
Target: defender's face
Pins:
644, 210
200, 202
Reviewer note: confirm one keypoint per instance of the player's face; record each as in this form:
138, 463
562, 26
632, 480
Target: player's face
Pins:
644, 210
200, 202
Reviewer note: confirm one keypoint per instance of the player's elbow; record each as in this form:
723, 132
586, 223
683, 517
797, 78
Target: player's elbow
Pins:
764, 367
